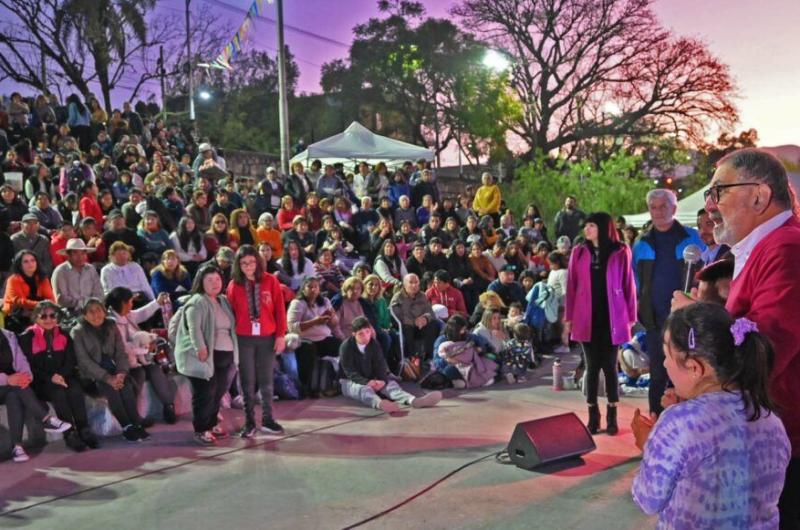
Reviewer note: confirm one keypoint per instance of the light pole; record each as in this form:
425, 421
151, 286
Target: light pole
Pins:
283, 107
191, 70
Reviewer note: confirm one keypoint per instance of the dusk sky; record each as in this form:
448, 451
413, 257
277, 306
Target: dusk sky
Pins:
759, 40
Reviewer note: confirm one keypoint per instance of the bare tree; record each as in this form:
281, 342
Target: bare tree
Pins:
583, 70
113, 43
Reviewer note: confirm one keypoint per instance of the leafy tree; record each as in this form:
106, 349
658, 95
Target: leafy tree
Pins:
424, 78
243, 111
616, 185
585, 70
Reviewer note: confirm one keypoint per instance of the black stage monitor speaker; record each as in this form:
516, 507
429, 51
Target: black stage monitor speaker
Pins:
546, 440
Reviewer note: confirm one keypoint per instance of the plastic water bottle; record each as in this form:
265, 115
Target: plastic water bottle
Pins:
558, 378
166, 313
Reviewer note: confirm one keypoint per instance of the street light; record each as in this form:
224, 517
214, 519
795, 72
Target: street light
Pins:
204, 94
496, 61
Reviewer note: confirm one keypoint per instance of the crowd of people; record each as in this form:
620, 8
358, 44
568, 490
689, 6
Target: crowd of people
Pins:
129, 254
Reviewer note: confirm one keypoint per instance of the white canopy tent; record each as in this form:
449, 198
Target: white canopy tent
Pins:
688, 206
358, 143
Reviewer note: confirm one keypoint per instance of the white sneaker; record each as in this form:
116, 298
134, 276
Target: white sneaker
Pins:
490, 382
428, 400
510, 379
19, 454
53, 424
459, 384
561, 349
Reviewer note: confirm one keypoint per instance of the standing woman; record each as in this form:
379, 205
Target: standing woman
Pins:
206, 351
102, 359
600, 309
52, 360
79, 120
487, 199
258, 307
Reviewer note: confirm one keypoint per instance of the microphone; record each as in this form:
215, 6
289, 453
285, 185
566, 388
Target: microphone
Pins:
691, 255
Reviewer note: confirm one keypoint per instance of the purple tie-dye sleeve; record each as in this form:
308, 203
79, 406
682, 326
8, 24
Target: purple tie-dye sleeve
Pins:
663, 462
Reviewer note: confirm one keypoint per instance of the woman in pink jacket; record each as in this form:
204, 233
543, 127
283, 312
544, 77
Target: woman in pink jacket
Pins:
600, 309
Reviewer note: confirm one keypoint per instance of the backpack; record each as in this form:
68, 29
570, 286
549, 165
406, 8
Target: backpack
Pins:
285, 386
75, 178
174, 323
547, 301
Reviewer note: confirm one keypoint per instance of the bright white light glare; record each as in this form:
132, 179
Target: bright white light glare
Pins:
610, 107
494, 60
205, 95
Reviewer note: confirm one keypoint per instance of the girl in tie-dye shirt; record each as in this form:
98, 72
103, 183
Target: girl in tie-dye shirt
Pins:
716, 459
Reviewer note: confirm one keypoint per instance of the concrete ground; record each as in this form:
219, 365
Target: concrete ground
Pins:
338, 464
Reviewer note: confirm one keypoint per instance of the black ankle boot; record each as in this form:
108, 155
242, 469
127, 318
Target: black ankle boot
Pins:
169, 414
594, 419
611, 420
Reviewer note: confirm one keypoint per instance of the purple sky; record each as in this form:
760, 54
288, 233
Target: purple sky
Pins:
758, 39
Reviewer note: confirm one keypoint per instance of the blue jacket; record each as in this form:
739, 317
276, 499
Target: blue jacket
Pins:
397, 190
644, 256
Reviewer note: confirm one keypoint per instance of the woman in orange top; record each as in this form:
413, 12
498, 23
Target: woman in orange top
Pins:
26, 286
267, 233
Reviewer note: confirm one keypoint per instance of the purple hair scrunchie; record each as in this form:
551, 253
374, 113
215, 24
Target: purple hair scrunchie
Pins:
740, 328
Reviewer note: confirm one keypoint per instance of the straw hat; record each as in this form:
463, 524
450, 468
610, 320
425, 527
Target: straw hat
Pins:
75, 243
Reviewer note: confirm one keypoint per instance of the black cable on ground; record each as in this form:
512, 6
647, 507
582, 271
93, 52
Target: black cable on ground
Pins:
424, 490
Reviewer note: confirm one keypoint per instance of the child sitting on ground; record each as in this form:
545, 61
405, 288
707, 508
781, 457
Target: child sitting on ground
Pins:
718, 458
364, 375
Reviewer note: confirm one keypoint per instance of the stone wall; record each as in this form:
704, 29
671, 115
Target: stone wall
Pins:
249, 163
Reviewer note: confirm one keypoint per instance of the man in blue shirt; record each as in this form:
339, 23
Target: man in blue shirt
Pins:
660, 270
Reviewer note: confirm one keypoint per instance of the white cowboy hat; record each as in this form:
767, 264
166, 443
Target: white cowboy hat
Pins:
76, 243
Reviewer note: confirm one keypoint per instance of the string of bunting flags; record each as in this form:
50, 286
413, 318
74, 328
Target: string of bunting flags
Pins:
234, 47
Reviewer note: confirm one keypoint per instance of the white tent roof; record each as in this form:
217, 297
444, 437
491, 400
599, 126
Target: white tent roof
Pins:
688, 206
359, 143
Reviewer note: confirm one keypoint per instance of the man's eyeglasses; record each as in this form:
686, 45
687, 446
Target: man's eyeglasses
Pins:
715, 190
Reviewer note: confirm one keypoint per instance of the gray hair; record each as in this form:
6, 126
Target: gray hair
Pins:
662, 193
264, 217
753, 164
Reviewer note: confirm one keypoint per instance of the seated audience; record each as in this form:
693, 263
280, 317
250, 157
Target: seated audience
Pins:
140, 346
102, 360
365, 377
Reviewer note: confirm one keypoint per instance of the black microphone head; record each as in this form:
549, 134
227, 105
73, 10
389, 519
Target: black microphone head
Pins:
692, 254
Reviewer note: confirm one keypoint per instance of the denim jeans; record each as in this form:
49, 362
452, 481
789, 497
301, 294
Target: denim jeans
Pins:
256, 361
366, 395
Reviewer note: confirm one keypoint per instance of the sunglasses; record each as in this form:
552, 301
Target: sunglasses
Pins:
46, 316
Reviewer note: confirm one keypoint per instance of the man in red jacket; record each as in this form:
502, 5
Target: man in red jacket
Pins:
442, 292
752, 207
